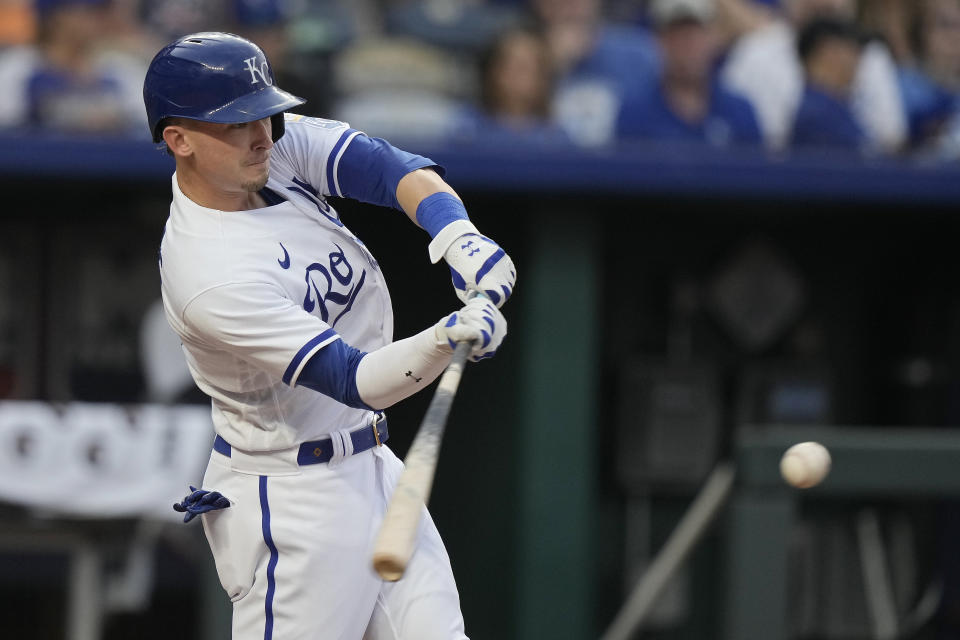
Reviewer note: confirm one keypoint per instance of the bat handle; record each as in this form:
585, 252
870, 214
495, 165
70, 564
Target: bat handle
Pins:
473, 293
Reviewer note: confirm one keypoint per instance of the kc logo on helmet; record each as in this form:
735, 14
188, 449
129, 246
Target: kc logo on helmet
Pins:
263, 71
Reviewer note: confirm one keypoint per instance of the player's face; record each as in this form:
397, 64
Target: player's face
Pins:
232, 157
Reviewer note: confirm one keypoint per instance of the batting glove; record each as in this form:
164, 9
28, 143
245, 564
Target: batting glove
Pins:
200, 501
478, 263
479, 322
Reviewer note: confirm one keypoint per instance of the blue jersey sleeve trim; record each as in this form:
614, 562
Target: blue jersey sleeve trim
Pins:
332, 371
369, 169
314, 344
438, 210
333, 161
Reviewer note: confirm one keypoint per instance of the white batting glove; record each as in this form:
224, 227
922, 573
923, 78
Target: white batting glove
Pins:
479, 322
478, 263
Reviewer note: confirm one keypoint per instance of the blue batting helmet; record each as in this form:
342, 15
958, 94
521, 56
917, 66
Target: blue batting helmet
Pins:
213, 77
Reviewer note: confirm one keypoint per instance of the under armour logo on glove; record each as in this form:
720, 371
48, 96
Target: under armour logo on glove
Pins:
478, 263
200, 501
471, 248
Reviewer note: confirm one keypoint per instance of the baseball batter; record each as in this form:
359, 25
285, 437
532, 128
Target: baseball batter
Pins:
286, 324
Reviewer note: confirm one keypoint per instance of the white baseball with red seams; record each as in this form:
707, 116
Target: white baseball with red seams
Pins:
805, 464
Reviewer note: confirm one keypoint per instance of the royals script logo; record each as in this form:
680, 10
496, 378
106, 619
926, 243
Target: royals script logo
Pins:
331, 286
263, 71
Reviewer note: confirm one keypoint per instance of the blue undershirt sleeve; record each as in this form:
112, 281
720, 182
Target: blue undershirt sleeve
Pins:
371, 168
332, 371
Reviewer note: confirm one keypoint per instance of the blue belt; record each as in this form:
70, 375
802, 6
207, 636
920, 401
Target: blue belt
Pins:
319, 451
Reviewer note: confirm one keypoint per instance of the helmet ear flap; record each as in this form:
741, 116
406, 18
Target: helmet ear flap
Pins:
276, 126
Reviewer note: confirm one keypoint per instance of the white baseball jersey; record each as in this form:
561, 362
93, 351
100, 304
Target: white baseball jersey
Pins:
254, 294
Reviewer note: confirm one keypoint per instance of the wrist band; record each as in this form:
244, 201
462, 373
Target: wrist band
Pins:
438, 210
444, 217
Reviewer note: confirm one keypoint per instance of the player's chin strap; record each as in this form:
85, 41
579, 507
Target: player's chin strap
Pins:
200, 501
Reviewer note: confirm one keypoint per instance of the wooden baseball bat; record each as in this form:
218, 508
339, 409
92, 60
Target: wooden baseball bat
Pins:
398, 532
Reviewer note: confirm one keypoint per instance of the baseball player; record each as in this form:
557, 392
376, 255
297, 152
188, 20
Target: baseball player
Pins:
286, 324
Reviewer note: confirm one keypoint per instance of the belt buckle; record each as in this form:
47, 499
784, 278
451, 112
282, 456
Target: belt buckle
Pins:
378, 417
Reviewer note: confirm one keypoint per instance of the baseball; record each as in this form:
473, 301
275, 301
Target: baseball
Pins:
805, 465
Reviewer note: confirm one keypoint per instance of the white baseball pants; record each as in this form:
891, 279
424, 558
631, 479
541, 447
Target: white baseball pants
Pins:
293, 552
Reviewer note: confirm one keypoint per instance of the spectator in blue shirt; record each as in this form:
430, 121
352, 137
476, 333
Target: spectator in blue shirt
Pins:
930, 80
69, 81
598, 65
688, 104
830, 52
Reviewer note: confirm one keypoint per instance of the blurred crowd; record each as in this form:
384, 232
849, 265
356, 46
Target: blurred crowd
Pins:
870, 77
